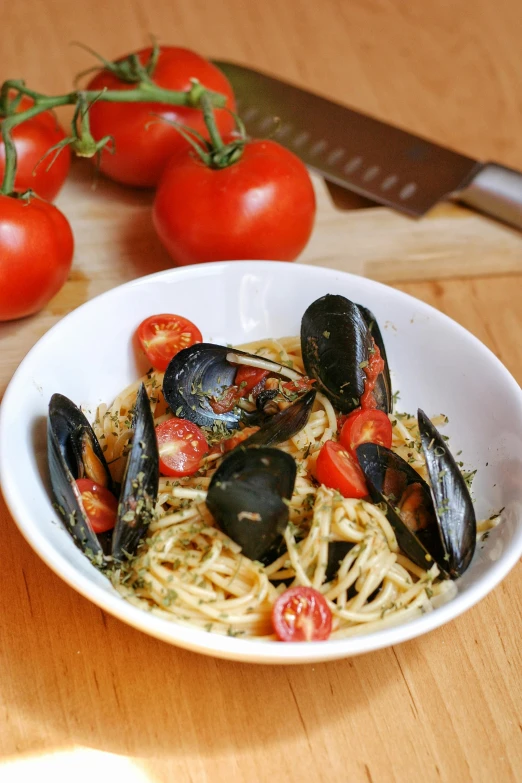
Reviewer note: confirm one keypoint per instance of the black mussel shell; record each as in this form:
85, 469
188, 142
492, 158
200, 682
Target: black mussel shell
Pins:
336, 343
247, 497
200, 372
337, 551
69, 438
388, 476
140, 484
383, 389
452, 500
285, 424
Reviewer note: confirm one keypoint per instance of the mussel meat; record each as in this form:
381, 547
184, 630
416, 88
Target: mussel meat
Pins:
247, 497
433, 522
204, 372
341, 342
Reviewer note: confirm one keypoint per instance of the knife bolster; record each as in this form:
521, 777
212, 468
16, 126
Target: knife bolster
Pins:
497, 191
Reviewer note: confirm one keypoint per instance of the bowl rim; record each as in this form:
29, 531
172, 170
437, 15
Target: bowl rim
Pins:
217, 645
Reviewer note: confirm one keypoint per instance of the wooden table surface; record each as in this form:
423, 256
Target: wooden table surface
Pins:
81, 694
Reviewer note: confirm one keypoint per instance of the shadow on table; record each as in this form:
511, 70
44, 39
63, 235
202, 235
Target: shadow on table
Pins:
74, 676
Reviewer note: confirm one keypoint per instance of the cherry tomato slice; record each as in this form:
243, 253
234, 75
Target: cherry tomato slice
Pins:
248, 377
301, 614
163, 336
182, 445
337, 469
366, 426
99, 504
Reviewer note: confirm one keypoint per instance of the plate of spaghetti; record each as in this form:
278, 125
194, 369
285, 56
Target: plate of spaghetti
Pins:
266, 462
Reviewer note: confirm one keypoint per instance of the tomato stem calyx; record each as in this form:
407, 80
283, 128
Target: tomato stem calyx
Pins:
129, 69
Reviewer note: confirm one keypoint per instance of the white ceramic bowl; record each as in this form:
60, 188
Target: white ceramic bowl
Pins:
436, 365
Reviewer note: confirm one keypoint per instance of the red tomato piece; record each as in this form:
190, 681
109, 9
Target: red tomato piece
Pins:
99, 504
337, 469
143, 143
32, 139
227, 401
248, 377
182, 445
36, 252
299, 386
301, 614
366, 426
261, 206
235, 440
163, 336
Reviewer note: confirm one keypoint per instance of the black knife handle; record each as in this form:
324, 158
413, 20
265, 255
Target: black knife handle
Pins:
497, 191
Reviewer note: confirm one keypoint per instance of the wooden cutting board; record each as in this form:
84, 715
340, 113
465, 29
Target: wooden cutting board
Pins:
116, 242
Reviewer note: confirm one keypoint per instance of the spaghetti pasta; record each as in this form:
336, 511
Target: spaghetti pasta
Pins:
189, 571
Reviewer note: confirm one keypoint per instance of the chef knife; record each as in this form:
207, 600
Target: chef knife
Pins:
370, 157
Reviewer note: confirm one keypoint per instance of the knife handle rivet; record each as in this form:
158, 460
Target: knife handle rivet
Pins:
371, 173
408, 190
353, 165
389, 182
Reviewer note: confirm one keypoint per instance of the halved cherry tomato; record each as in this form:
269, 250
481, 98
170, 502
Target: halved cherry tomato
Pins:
301, 614
337, 469
249, 377
163, 336
99, 504
182, 445
366, 426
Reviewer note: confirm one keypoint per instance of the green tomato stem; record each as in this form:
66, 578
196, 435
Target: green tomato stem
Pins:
144, 92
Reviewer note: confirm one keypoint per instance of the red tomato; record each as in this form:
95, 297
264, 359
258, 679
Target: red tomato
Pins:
36, 250
163, 336
337, 469
301, 614
249, 377
366, 426
99, 504
182, 446
32, 139
261, 206
227, 401
142, 152
235, 440
299, 386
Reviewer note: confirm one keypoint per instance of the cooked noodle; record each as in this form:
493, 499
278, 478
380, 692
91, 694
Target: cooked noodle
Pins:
189, 571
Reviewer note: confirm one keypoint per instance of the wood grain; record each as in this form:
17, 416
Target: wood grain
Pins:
81, 694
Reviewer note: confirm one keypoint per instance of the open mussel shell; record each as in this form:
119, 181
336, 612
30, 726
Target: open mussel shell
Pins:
452, 501
247, 497
383, 390
73, 453
388, 476
336, 342
284, 425
201, 372
139, 490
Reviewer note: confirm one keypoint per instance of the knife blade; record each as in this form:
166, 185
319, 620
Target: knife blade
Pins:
372, 158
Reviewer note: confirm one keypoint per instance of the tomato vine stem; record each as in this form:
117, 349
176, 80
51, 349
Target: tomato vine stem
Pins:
81, 141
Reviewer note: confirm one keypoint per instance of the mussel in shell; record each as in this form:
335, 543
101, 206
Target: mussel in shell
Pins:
433, 522
285, 424
74, 453
204, 372
247, 497
338, 340
140, 483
